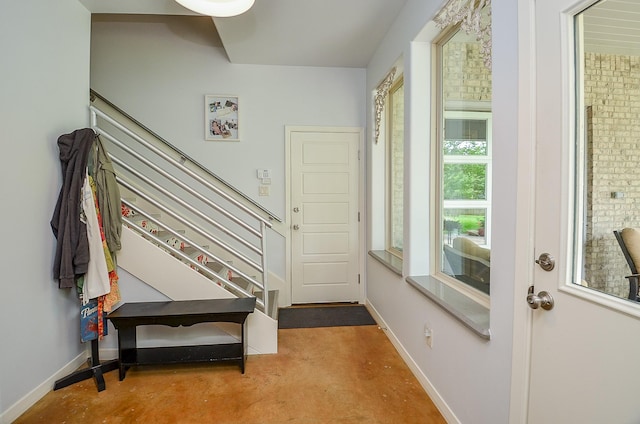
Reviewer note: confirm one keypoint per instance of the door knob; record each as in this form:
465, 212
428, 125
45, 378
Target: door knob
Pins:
296, 227
542, 300
296, 209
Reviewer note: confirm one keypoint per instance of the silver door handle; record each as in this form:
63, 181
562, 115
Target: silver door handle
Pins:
542, 300
296, 227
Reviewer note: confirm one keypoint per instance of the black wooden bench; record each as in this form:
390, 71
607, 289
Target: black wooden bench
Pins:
129, 316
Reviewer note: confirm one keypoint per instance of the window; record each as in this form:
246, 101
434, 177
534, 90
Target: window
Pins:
466, 174
464, 164
395, 167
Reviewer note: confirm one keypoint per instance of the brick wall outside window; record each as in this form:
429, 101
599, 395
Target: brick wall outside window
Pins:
612, 97
464, 75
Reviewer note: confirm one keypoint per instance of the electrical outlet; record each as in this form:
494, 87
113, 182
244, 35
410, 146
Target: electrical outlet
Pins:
263, 190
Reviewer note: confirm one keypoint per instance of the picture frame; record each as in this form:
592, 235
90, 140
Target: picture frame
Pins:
221, 121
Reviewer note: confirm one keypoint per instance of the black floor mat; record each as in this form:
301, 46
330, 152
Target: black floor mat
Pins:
324, 316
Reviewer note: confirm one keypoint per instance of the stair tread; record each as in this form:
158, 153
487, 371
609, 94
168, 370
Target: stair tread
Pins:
142, 217
241, 282
215, 266
164, 233
189, 250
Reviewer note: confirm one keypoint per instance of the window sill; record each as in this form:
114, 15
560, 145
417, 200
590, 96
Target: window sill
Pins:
470, 313
387, 259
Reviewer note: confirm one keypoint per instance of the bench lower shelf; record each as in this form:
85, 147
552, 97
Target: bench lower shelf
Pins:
230, 352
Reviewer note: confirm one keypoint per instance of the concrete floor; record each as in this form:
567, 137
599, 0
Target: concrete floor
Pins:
334, 375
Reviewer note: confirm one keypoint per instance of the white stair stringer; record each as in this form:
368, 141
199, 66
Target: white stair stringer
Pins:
178, 281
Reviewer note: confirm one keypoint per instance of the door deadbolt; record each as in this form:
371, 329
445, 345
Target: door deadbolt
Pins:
546, 262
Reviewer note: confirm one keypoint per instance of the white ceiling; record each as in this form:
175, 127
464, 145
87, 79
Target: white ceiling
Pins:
336, 33
345, 33
613, 26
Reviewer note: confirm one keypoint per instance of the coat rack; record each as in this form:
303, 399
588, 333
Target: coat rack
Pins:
96, 370
74, 167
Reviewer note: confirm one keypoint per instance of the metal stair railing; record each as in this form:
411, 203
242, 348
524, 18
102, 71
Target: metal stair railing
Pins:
222, 280
189, 224
178, 182
188, 196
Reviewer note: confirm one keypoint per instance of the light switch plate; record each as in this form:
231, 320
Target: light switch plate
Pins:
263, 173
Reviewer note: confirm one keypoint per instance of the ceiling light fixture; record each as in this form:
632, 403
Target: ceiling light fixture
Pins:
218, 8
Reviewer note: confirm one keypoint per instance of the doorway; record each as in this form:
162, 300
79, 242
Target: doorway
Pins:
582, 346
324, 214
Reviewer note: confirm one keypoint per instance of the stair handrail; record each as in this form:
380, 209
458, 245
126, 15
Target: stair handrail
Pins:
94, 94
171, 160
176, 181
263, 223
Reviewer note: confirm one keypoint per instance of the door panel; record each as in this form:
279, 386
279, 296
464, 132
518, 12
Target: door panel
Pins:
584, 350
324, 218
325, 183
325, 243
326, 213
326, 273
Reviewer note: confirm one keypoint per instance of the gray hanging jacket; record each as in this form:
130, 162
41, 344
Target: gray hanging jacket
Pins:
72, 248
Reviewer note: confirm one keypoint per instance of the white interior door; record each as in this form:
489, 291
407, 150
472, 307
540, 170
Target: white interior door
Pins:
324, 216
585, 350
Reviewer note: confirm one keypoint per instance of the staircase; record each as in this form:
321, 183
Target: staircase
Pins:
187, 233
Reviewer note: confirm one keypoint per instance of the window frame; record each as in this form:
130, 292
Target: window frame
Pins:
445, 109
390, 141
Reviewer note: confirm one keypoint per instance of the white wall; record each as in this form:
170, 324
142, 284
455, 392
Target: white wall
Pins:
159, 69
44, 89
469, 376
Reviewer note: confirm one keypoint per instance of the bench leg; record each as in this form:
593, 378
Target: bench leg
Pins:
122, 372
126, 347
244, 346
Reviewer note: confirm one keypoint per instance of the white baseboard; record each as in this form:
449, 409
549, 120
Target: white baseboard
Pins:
440, 403
108, 354
28, 400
